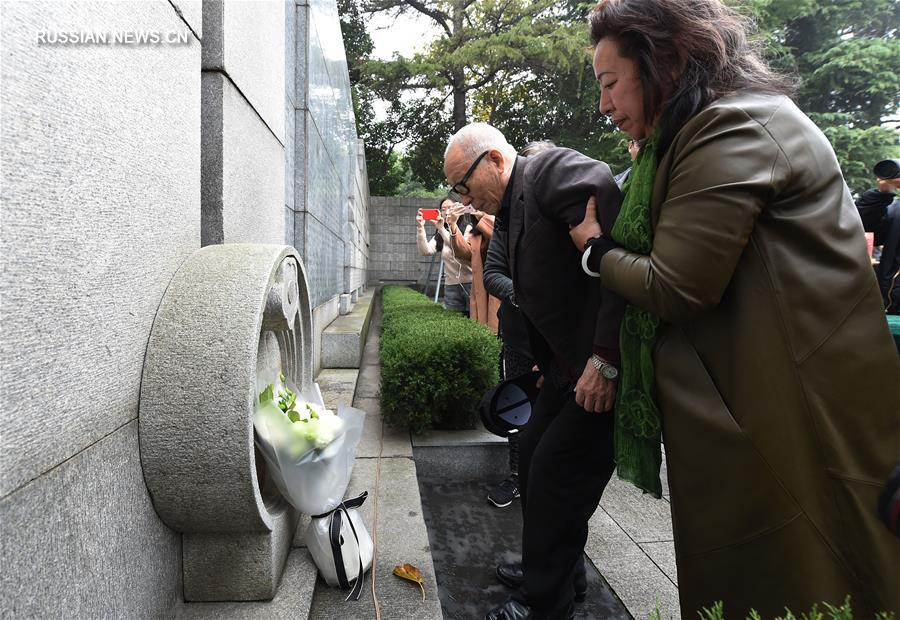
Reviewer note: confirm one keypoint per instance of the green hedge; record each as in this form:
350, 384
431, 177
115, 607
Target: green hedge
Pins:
831, 612
435, 364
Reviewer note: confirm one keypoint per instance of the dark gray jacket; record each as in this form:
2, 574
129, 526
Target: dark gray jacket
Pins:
880, 213
569, 314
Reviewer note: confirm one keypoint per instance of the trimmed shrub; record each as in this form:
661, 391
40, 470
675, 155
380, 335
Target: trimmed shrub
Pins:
831, 612
435, 364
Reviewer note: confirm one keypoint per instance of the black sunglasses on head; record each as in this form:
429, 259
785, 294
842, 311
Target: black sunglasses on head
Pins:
461, 188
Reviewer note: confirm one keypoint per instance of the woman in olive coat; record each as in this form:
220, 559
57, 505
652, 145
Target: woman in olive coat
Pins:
775, 374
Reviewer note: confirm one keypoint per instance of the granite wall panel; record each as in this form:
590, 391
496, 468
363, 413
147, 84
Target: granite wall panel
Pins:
243, 169
246, 41
300, 218
289, 155
83, 540
320, 93
290, 223
191, 11
324, 250
324, 189
290, 53
102, 193
326, 156
100, 190
301, 159
301, 56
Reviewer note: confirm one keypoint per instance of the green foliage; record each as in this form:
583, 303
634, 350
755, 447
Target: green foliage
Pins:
845, 53
358, 44
484, 49
716, 612
522, 65
840, 612
435, 364
858, 148
857, 76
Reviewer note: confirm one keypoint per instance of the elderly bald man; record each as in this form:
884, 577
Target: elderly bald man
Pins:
566, 454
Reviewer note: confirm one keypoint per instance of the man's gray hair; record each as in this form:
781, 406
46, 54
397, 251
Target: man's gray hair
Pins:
476, 138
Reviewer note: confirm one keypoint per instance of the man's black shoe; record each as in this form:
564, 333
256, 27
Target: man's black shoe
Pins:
516, 610
504, 493
512, 576
510, 610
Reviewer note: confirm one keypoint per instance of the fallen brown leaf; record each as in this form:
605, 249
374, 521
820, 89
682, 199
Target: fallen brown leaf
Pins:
410, 572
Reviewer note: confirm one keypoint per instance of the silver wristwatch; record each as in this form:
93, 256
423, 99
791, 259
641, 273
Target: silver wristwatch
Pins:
604, 368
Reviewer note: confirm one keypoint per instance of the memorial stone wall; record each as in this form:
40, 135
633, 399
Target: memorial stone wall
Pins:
119, 162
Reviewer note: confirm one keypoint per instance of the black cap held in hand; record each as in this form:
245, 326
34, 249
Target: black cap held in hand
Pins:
506, 408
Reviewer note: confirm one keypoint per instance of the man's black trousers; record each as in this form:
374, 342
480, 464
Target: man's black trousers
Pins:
566, 459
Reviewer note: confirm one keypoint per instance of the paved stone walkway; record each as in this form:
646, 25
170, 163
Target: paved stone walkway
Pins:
629, 542
400, 533
629, 537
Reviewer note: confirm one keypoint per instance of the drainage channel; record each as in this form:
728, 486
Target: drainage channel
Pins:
469, 536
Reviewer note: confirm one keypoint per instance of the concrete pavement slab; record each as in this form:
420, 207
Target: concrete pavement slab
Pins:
375, 432
663, 555
632, 574
400, 538
369, 382
644, 518
337, 385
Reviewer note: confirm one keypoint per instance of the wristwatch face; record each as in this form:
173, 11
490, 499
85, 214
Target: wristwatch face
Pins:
606, 370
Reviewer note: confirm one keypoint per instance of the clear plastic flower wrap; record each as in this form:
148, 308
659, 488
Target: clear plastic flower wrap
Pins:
309, 450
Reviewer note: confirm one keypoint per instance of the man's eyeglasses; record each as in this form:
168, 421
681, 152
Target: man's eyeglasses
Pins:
461, 188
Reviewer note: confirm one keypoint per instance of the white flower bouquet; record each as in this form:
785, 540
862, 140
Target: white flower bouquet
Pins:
309, 449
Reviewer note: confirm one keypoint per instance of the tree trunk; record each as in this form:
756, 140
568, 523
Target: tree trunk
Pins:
459, 78
459, 104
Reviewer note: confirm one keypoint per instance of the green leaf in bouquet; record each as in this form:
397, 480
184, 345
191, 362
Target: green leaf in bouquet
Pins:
281, 376
313, 414
294, 416
286, 399
268, 394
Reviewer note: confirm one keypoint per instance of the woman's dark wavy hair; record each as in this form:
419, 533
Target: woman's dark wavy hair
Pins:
705, 41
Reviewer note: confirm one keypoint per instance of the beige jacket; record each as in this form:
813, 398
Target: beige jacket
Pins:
776, 374
456, 269
473, 248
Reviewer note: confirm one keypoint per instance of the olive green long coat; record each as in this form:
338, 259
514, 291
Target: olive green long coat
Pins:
776, 374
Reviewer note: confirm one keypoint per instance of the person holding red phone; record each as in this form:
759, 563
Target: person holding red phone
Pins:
457, 271
473, 248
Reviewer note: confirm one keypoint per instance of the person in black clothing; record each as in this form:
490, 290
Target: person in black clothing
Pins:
879, 210
516, 358
573, 324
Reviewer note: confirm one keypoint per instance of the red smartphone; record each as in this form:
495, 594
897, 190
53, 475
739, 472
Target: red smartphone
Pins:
429, 214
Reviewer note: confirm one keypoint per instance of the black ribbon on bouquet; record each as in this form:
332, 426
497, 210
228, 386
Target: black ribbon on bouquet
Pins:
338, 514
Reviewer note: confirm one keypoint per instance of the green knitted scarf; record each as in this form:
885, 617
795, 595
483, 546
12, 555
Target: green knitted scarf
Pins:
638, 423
